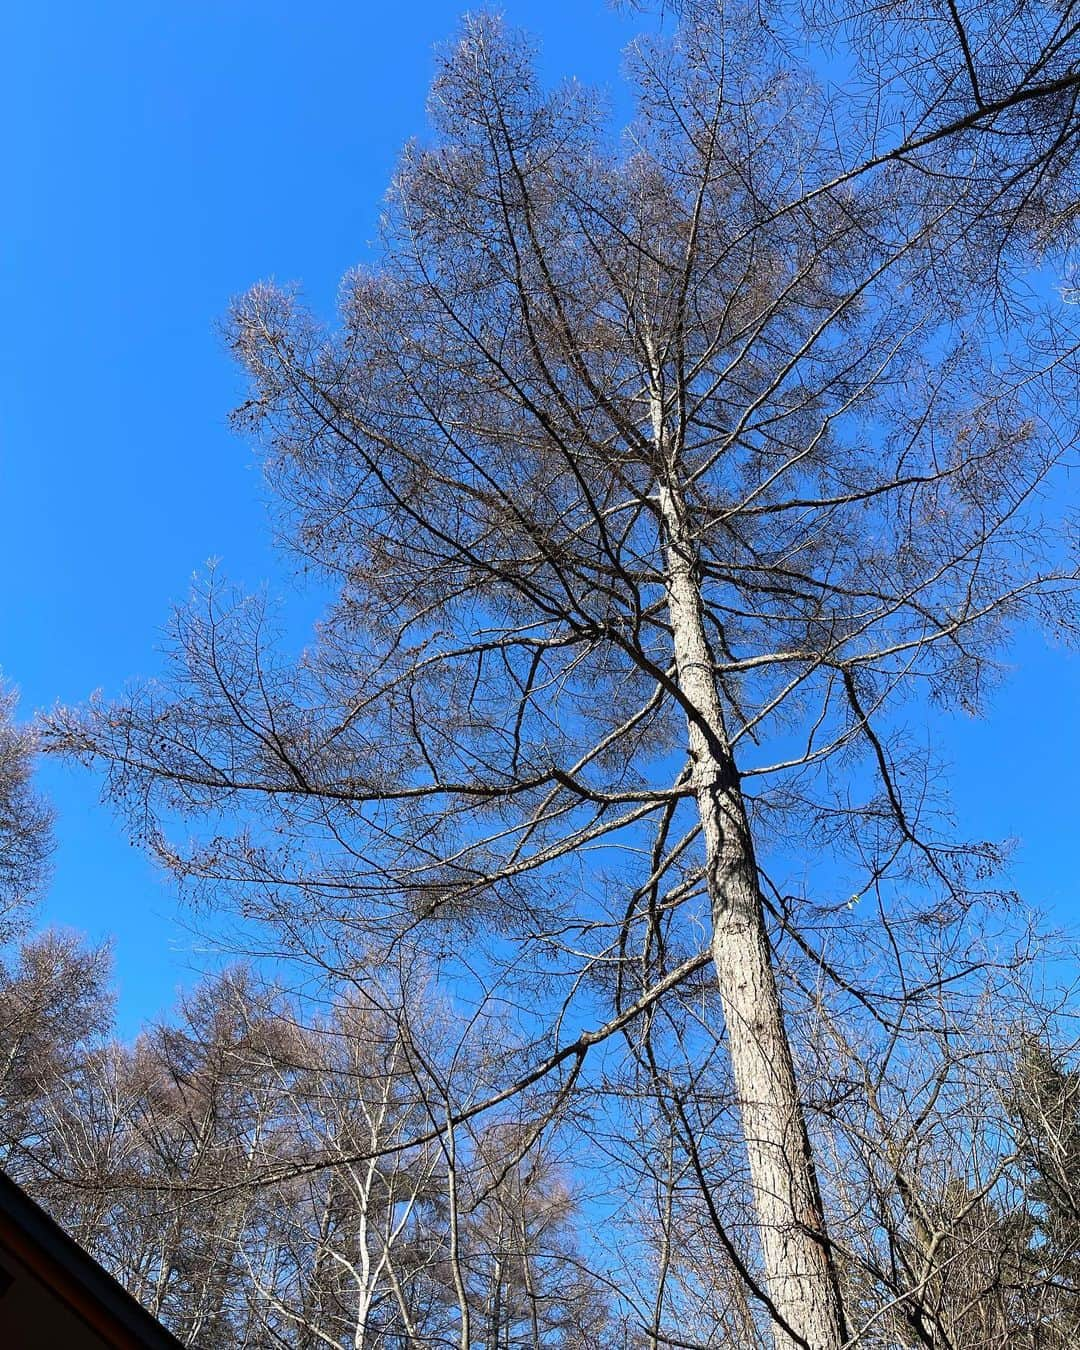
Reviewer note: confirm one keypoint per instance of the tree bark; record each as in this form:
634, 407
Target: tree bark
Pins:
799, 1274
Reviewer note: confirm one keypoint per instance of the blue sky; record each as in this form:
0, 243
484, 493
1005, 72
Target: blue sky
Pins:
160, 158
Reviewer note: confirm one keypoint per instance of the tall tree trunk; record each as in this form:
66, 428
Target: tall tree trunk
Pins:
496, 1302
798, 1269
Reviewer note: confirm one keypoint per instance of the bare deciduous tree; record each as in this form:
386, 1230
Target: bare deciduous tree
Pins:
653, 479
25, 821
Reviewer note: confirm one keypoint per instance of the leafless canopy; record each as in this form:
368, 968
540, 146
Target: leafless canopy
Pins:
654, 478
25, 821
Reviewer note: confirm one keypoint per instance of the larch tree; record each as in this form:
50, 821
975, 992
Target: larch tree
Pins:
652, 477
25, 821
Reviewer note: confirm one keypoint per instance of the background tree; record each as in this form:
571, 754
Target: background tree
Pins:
530, 1283
1046, 1114
55, 1007
25, 821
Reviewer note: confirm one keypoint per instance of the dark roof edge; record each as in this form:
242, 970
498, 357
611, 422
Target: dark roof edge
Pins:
56, 1245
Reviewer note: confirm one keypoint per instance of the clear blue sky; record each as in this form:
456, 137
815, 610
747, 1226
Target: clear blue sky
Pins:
160, 157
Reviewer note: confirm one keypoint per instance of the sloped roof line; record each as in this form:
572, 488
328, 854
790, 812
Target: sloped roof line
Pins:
55, 1259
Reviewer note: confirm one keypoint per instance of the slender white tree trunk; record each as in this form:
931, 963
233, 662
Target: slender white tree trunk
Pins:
450, 1147
798, 1271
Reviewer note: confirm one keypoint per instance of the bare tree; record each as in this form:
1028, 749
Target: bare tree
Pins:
979, 98
530, 1284
653, 481
363, 1236
25, 821
55, 1009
